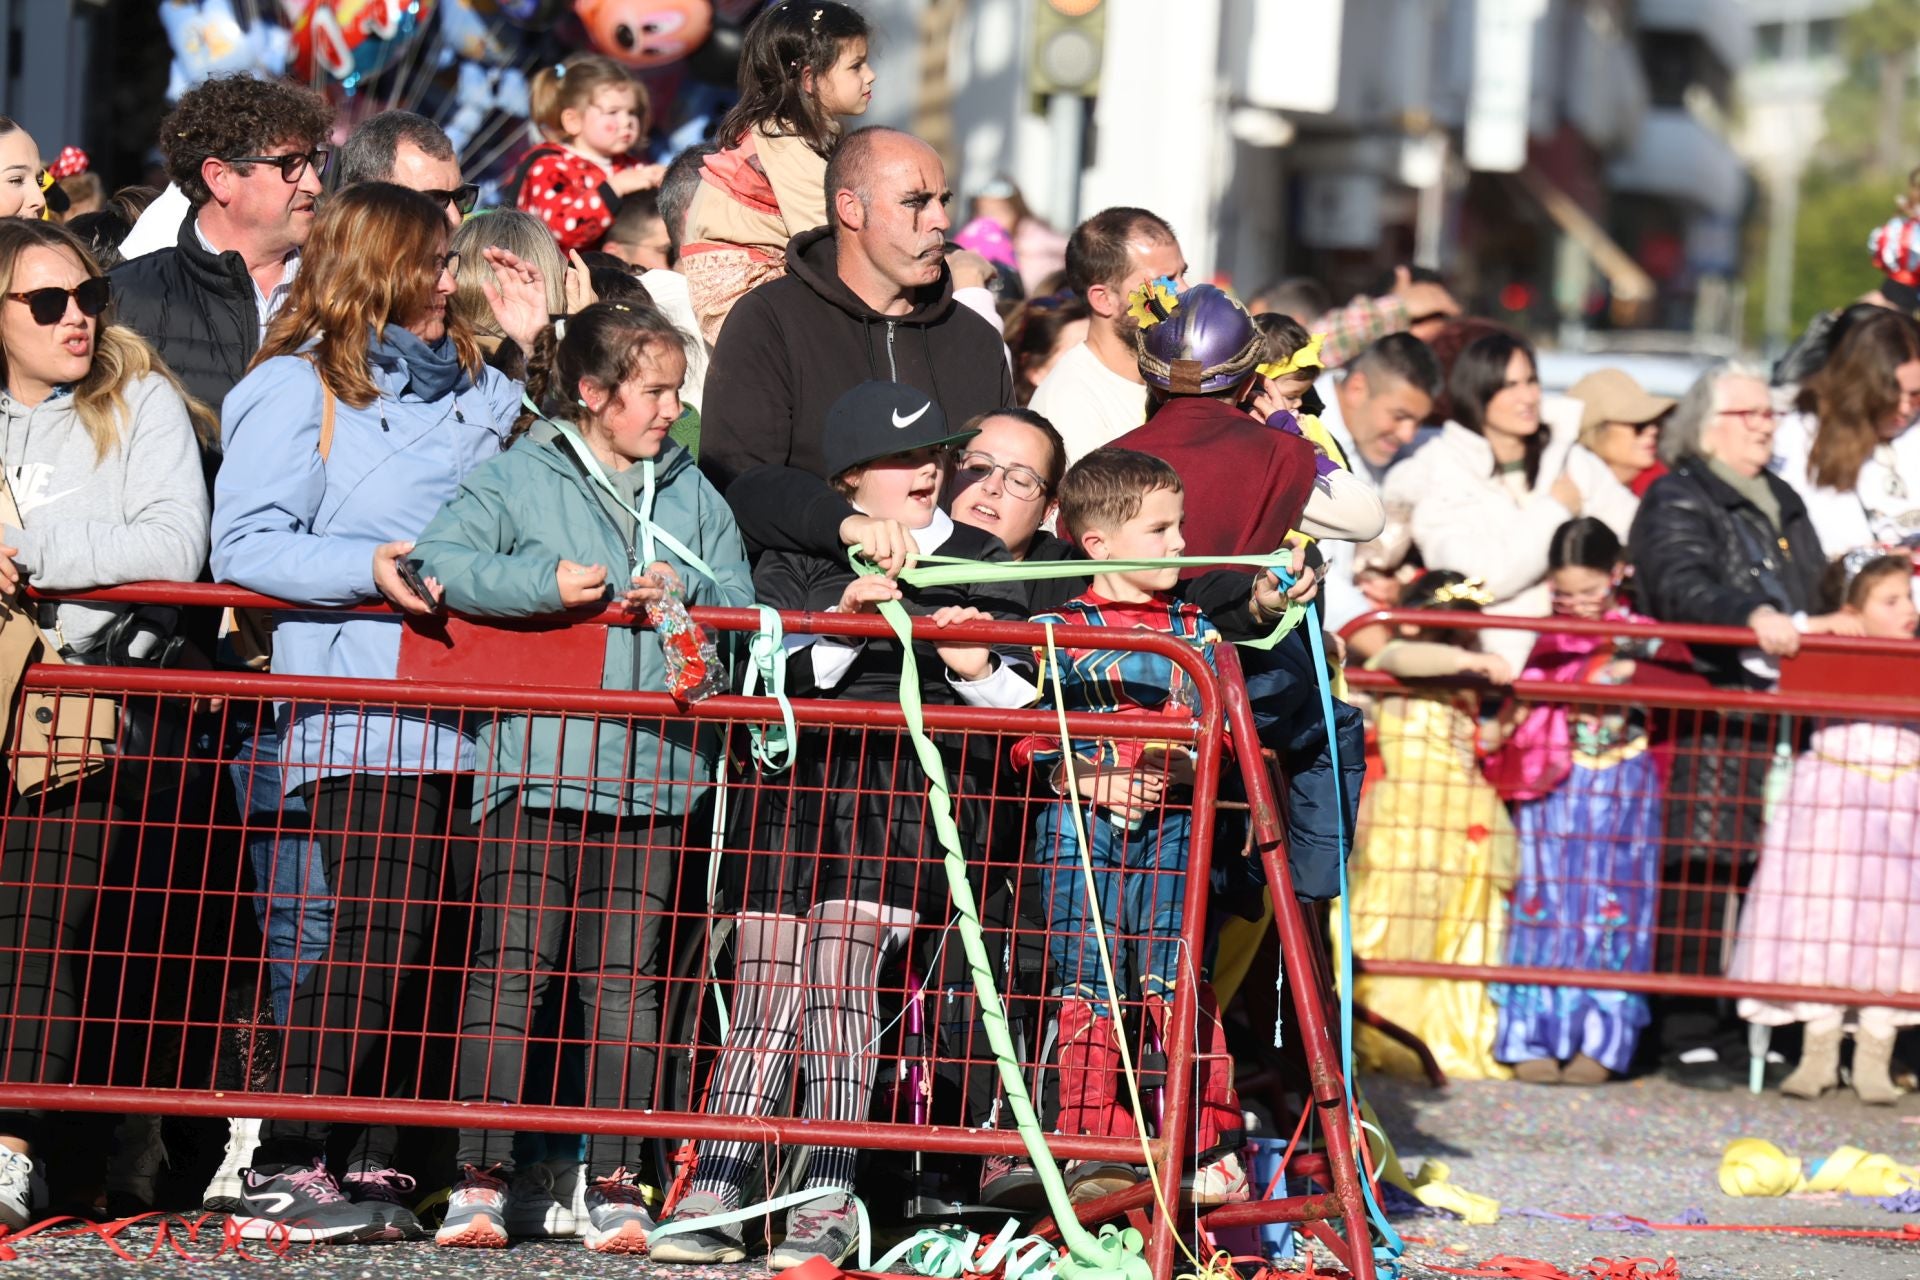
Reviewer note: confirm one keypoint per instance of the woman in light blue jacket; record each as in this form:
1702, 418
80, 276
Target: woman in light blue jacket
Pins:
366, 405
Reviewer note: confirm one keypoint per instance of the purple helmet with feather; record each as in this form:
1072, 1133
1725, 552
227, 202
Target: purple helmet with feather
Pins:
1200, 342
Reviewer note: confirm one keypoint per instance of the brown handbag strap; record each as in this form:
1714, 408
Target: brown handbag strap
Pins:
326, 412
10, 514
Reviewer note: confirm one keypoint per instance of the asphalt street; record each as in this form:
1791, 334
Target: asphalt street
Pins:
1646, 1148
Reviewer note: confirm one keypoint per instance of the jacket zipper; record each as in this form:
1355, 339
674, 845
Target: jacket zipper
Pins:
893, 370
633, 555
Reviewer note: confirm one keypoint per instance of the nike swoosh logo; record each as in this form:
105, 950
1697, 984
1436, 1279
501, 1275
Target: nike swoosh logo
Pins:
272, 1202
911, 418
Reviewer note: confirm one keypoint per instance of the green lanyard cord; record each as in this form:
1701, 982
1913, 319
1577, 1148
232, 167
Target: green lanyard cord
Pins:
1114, 1255
766, 659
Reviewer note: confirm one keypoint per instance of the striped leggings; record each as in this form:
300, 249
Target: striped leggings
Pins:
814, 980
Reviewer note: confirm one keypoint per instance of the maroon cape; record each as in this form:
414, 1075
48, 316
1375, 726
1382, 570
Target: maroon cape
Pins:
1246, 483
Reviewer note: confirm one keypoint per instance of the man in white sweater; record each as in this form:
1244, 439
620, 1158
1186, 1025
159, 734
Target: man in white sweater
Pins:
1094, 394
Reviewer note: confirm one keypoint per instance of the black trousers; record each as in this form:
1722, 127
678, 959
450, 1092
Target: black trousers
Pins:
565, 892
52, 863
400, 854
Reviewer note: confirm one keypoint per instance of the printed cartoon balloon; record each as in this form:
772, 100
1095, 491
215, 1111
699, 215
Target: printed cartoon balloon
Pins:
646, 33
350, 41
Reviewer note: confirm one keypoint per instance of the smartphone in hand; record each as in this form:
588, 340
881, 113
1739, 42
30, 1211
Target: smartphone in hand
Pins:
409, 571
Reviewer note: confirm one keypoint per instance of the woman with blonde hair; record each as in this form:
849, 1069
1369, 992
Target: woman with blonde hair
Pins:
367, 404
103, 486
527, 238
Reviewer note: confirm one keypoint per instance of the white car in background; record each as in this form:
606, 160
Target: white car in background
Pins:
1662, 374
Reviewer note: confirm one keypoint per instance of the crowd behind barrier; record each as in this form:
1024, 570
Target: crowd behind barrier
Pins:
158, 999
405, 844
1558, 886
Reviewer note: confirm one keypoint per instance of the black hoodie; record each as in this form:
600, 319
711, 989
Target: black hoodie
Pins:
793, 346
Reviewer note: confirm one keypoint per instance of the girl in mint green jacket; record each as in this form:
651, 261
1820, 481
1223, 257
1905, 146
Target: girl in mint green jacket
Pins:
582, 817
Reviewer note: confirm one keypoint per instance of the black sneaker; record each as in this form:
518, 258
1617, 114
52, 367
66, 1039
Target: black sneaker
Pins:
299, 1206
1009, 1182
384, 1191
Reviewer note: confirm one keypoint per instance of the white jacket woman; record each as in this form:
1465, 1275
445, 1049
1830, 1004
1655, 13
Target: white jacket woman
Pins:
1488, 490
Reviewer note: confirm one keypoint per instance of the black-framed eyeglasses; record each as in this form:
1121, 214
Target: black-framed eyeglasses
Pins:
1021, 482
447, 262
462, 197
49, 304
292, 166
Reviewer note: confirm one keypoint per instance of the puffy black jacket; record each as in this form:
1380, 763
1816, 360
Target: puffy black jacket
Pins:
197, 309
1703, 554
793, 346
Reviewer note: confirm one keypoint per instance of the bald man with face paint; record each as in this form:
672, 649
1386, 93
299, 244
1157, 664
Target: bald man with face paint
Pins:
867, 297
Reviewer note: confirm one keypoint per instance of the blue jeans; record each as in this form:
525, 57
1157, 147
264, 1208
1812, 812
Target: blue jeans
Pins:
293, 908
1140, 879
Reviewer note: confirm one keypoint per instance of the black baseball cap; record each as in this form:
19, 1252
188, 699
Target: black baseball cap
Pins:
879, 420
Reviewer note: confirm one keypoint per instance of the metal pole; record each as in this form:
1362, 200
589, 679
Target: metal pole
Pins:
1067, 120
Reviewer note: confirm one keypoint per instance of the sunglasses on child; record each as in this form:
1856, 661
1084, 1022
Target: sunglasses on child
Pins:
48, 305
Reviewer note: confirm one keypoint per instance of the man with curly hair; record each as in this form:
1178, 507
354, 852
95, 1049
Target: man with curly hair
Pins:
247, 154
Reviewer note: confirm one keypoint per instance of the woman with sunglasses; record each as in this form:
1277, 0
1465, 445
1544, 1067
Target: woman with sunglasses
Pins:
367, 343
102, 470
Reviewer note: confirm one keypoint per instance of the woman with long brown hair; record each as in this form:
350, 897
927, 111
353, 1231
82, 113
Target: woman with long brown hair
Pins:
1850, 450
367, 404
103, 486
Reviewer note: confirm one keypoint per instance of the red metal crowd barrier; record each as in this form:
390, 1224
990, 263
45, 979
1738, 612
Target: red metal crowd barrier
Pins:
151, 908
1559, 850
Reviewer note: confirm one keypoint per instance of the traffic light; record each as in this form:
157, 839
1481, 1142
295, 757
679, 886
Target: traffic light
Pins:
1068, 36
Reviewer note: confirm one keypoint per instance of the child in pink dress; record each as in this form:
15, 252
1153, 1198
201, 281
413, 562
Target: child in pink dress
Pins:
1836, 899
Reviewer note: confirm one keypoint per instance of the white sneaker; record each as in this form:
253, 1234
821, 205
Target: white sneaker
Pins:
224, 1191
547, 1200
1221, 1181
21, 1190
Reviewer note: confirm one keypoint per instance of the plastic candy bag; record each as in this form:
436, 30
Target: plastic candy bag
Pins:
694, 672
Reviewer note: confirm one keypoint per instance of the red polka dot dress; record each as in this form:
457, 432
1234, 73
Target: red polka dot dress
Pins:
570, 193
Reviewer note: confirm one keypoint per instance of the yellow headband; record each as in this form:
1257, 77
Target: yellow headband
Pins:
1307, 357
1472, 590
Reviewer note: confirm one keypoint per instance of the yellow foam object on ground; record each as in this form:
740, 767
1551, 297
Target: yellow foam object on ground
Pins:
1755, 1167
1431, 1186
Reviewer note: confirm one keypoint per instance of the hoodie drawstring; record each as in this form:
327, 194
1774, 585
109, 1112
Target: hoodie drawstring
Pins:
933, 374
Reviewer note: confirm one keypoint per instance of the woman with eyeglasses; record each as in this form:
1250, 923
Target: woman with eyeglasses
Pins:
1721, 541
102, 473
23, 194
367, 405
1849, 448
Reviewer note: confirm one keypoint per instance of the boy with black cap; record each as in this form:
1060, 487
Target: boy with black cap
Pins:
842, 862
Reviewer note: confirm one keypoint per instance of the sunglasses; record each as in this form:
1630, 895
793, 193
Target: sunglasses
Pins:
292, 166
462, 197
48, 305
